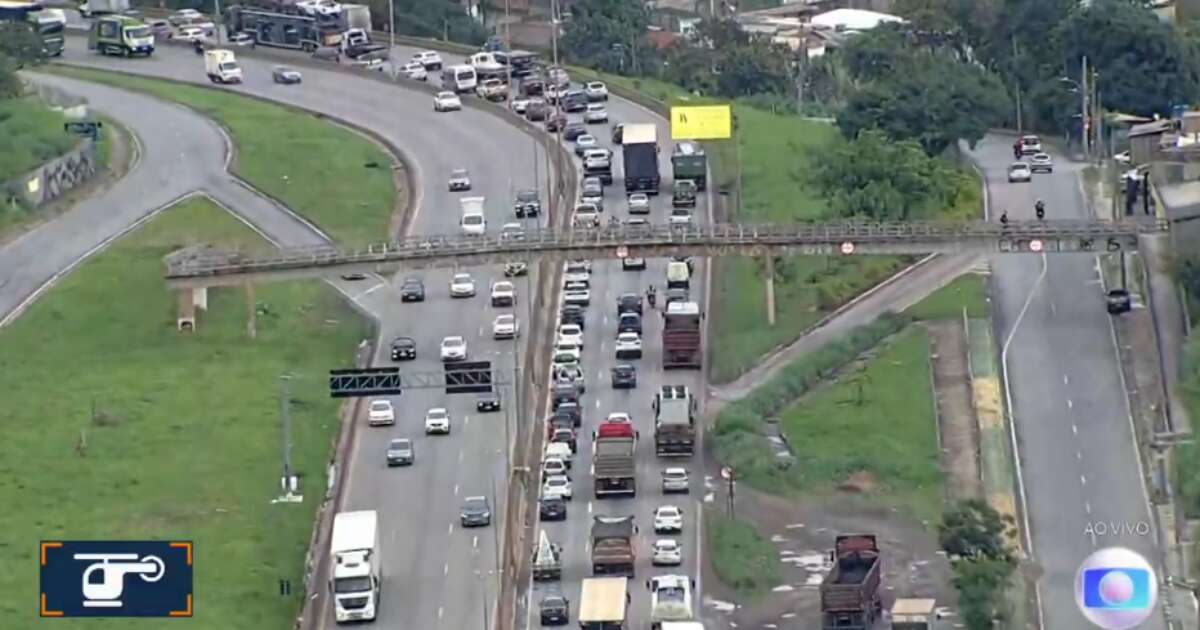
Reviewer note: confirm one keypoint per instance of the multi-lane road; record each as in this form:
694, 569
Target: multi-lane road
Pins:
1078, 455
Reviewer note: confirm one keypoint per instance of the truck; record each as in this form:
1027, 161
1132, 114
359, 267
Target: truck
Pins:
603, 603
46, 24
120, 35
613, 550
547, 559
681, 625
221, 66
683, 194
681, 336
670, 599
357, 16
355, 575
688, 161
639, 147
613, 465
674, 421
90, 8
281, 30
850, 592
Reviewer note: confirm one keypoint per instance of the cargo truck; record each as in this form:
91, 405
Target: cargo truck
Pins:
282, 30
221, 66
850, 593
47, 25
613, 466
603, 603
639, 144
682, 343
613, 550
681, 625
89, 8
120, 35
688, 161
547, 560
674, 421
355, 574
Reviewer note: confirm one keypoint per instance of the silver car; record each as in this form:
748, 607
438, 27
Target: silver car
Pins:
285, 75
1041, 163
400, 452
1019, 172
675, 480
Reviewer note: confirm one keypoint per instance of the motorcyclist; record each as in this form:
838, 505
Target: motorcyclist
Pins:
1040, 207
614, 222
1004, 218
198, 46
651, 296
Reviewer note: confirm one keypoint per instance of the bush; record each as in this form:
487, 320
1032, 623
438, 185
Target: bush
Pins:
743, 559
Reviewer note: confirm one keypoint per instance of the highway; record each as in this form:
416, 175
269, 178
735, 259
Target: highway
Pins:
1079, 460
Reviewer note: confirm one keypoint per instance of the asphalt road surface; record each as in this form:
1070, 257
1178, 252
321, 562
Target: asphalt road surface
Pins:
1077, 449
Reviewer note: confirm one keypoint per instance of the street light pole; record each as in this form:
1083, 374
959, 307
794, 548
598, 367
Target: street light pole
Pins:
1085, 121
391, 27
285, 409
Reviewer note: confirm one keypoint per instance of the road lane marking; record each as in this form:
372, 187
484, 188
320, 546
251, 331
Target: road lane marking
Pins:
450, 530
597, 403
1079, 455
446, 569
589, 507
455, 489
1087, 507
374, 289
1070, 405
475, 542
466, 420
441, 611
1075, 429
460, 456
1083, 480
1052, 310
1066, 380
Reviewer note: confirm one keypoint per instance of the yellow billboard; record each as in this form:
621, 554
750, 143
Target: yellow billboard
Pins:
701, 122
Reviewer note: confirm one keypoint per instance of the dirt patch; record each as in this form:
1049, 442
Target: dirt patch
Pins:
957, 425
859, 482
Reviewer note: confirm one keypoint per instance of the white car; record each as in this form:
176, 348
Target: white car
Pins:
454, 349
566, 347
462, 286
184, 16
512, 232
639, 203
667, 553
583, 143
520, 104
629, 346
566, 359
414, 71
190, 34
578, 266
596, 113
380, 413
571, 333
557, 486
586, 215
668, 519
446, 102
680, 217
241, 39
596, 91
437, 420
554, 466
505, 327
325, 8
1019, 172
675, 479
503, 294
618, 417
581, 297
429, 59
577, 275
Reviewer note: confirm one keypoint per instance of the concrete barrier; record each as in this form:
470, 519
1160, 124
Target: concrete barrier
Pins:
54, 178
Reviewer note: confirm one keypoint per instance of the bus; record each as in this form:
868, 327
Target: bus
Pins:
48, 24
603, 602
459, 79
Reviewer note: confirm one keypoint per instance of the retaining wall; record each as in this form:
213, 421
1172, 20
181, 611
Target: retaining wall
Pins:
54, 178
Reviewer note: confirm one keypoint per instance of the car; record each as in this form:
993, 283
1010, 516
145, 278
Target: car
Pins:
404, 349
592, 192
637, 225
1041, 162
380, 412
527, 204
563, 394
624, 376
629, 303
586, 215
285, 75
582, 265
1118, 301
618, 417
668, 519
582, 298
400, 452
437, 420
454, 348
1123, 158
597, 152
503, 294
190, 34
537, 110
566, 347
554, 466
572, 376
573, 314
639, 203
596, 113
475, 512
242, 39
184, 16
324, 8
675, 479
354, 276
565, 358
506, 327
574, 101
577, 277
462, 286
667, 552
583, 143
1030, 145
161, 29
556, 122
557, 486
629, 346
519, 104
596, 91
1019, 172
573, 131
555, 610
487, 402
446, 102
599, 167
429, 59
515, 269
412, 290
571, 333
460, 179
629, 323
552, 509
558, 77
680, 217
512, 232
415, 71
633, 264
677, 294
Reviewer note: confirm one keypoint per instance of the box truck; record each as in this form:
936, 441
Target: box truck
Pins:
355, 573
221, 66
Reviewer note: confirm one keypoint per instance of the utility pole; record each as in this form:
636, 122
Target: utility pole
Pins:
554, 191
219, 20
1085, 125
285, 409
391, 30
1017, 87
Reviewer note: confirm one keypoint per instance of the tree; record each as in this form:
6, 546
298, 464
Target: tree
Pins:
981, 585
20, 44
974, 530
608, 35
431, 18
725, 60
10, 83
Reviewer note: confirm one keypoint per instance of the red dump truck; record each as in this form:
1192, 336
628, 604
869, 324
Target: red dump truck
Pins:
850, 593
682, 347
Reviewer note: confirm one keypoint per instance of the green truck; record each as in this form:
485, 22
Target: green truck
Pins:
46, 24
120, 35
689, 162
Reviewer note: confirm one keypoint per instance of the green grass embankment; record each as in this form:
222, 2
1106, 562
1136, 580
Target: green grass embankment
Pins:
742, 558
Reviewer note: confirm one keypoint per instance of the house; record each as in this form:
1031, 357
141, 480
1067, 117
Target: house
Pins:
1144, 141
851, 20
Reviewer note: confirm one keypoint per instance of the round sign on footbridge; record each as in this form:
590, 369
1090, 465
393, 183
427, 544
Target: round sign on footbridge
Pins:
1035, 245
622, 251
847, 248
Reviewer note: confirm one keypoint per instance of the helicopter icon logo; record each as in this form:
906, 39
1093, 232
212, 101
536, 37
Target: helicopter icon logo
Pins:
111, 570
96, 578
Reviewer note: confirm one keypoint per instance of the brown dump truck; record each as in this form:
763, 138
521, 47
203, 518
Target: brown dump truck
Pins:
613, 550
850, 593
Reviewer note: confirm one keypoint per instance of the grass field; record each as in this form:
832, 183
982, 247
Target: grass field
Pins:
968, 291
318, 169
743, 559
873, 427
182, 431
31, 134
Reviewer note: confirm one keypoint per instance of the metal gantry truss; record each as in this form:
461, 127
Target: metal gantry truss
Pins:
210, 267
384, 381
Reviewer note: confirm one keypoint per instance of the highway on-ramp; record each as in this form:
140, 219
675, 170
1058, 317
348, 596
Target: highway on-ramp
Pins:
1077, 450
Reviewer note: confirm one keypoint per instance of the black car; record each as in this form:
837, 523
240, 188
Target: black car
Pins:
1118, 301
629, 322
487, 402
568, 412
532, 86
624, 376
553, 509
476, 512
633, 264
564, 393
404, 349
527, 203
555, 610
556, 122
574, 130
412, 290
572, 314
629, 303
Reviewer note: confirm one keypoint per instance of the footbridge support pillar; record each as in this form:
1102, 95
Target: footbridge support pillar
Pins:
189, 301
770, 273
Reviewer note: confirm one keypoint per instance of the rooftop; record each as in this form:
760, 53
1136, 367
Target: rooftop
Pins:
852, 19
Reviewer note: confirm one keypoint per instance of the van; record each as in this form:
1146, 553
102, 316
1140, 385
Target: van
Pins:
221, 66
473, 221
678, 275
459, 79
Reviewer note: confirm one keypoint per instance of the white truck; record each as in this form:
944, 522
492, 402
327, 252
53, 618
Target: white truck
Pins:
221, 66
355, 573
473, 221
88, 8
670, 599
